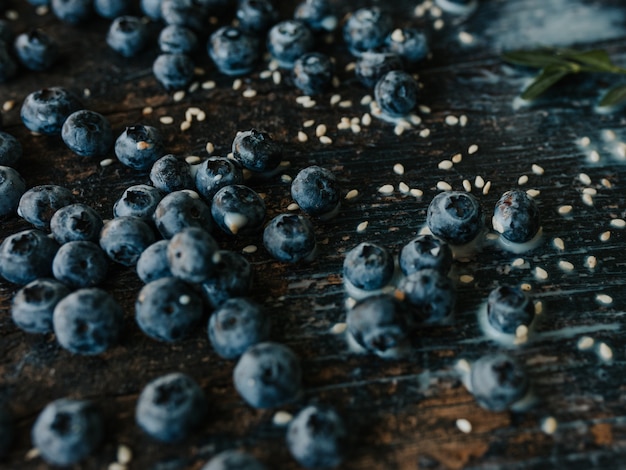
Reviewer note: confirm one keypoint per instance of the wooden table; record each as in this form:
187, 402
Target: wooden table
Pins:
403, 412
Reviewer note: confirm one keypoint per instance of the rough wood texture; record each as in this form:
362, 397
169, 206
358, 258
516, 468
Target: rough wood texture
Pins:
402, 412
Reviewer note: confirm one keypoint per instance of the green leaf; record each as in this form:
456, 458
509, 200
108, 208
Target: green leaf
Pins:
546, 78
597, 59
537, 58
614, 96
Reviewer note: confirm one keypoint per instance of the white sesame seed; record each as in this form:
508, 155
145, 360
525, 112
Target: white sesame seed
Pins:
293, 207
585, 342
398, 129
185, 125
541, 273
230, 155
606, 183
116, 466
237, 83
147, 110
397, 35
345, 104
343, 125
249, 249
350, 66
355, 128
467, 185
398, 169
605, 352
604, 299
277, 77
479, 182
320, 130
403, 187
12, 15
558, 244
335, 99
106, 162
549, 425
8, 105
526, 287
594, 156
179, 95
565, 209
587, 199
336, 82
416, 192
249, 93
566, 265
457, 158
309, 104
608, 135
424, 109
282, 418
590, 191
415, 119
424, 133
308, 123
518, 262
486, 188
419, 10
605, 236
466, 278
42, 10
325, 140
464, 425
32, 454
538, 307
193, 159
584, 141
352, 194
338, 328
451, 120
618, 223
273, 64
386, 189
463, 120
465, 37
533, 193
166, 120
302, 137
209, 147
193, 87
445, 165
522, 180
472, 149
537, 169
521, 332
362, 226
584, 178
366, 100
265, 74
286, 178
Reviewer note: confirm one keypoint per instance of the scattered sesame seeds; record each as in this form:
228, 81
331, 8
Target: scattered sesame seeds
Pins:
210, 148
591, 262
166, 120
193, 87
526, 287
479, 182
533, 193
320, 130
399, 129
424, 133
403, 187
335, 99
445, 165
12, 15
265, 74
366, 119
345, 104
467, 186
541, 274
605, 352
249, 93
386, 189
463, 120
486, 188
106, 162
338, 328
32, 454
326, 140
124, 454
565, 209
352, 194
185, 125
604, 299
193, 159
594, 156
558, 243
518, 262
237, 83
42, 10
286, 178
350, 66
281, 418
522, 180
362, 226
293, 207
451, 120
465, 37
457, 158
605, 236
366, 100
566, 265
584, 141
355, 128
438, 24
618, 223
606, 183
277, 77
585, 342
398, 169
464, 425
302, 137
608, 135
147, 110
443, 186
416, 192
397, 35
549, 425
472, 149
584, 178
466, 278
521, 332
8, 105
587, 199
424, 109
249, 249
536, 169
116, 466
179, 95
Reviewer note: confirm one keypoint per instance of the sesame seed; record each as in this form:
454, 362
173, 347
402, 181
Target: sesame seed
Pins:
179, 95
465, 37
591, 262
464, 425
345, 104
193, 87
522, 180
479, 182
302, 137
309, 104
352, 194
326, 140
308, 123
362, 226
584, 141
424, 133
566, 265
184, 299
366, 100
526, 287
273, 65
445, 165
32, 454
606, 183
521, 332
277, 77
201, 116
209, 147
472, 149
416, 192
265, 74
386, 189
106, 162
403, 187
8, 105
237, 83
320, 130
42, 10
549, 425
185, 125
463, 120
398, 169
457, 158
147, 110
564, 210
605, 352
336, 82
584, 178
335, 99
249, 93
537, 169
350, 66
116, 466
585, 342
419, 10
12, 15
281, 418
604, 299
466, 278
558, 244
486, 188
166, 120
338, 328
249, 249
467, 185
605, 236
594, 156
608, 135
424, 109
618, 223
533, 193
286, 178
143, 145
355, 128
541, 273
590, 191
443, 186
451, 120
193, 159
398, 129
587, 199
518, 262
397, 35
343, 125
293, 207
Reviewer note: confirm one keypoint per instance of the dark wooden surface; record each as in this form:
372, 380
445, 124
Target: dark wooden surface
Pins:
403, 413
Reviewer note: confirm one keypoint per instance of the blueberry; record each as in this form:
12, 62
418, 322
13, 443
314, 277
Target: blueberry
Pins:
33, 304
127, 35
317, 437
498, 381
256, 16
431, 292
167, 309
139, 146
170, 407
179, 210
124, 238
257, 151
67, 431
111, 9
38, 204
425, 252
232, 277
173, 71
236, 325
238, 209
508, 308
80, 264
189, 13
12, 187
516, 216
233, 460
366, 29
153, 264
457, 7
8, 67
44, 111
36, 50
455, 217
176, 39
313, 73
290, 238
371, 66
380, 325
409, 43
396, 93
215, 173
7, 430
288, 40
317, 14
10, 148
26, 256
233, 51
76, 222
72, 11
87, 321
171, 174
139, 201
87, 133
268, 375
368, 266
151, 8
191, 254
317, 192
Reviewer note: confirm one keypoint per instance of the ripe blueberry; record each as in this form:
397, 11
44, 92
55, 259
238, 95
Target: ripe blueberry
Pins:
36, 50
233, 460
139, 146
215, 173
409, 43
153, 264
431, 293
12, 187
313, 73
238, 209
191, 255
176, 39
396, 93
290, 238
179, 210
138, 201
288, 40
87, 133
33, 304
76, 222
317, 192
368, 266
232, 277
508, 308
455, 217
44, 111
171, 174
72, 11
124, 238
127, 35
38, 204
10, 149
256, 16
371, 66
516, 216
366, 29
498, 381
257, 151
173, 71
26, 256
425, 252
317, 14
80, 264
233, 51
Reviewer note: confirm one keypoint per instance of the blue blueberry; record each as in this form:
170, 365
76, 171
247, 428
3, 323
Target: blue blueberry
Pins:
232, 277
373, 65
26, 256
290, 238
238, 209
111, 9
151, 8
38, 204
76, 222
508, 308
176, 39
317, 437
168, 309
368, 266
170, 407
215, 173
257, 151
431, 293
256, 16
380, 325
127, 35
317, 192
153, 264
313, 73
236, 325
139, 201
425, 252
80, 264
44, 111
455, 217
188, 13
516, 216
36, 50
396, 93
192, 255
8, 67
171, 174
173, 71
87, 133
7, 430
457, 7
123, 239
366, 29
498, 381
67, 431
87, 321
72, 11
179, 210
317, 14
268, 375
409, 43
139, 146
10, 149
233, 460
288, 40
233, 51
33, 304
12, 187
